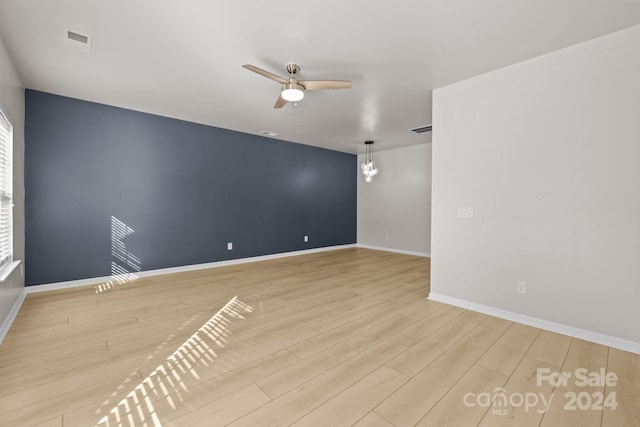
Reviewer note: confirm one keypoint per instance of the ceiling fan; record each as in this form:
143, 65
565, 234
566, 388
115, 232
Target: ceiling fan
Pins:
292, 88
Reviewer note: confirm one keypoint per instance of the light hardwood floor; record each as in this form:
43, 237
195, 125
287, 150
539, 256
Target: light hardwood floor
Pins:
343, 337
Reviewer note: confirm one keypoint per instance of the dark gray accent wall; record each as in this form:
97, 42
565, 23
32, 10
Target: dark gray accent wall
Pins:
110, 190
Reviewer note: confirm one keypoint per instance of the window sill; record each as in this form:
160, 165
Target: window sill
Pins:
6, 270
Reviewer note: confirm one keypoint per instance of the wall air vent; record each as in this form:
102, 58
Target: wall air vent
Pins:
422, 129
77, 41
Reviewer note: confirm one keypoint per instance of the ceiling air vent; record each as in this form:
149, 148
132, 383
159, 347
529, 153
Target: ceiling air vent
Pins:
77, 41
422, 129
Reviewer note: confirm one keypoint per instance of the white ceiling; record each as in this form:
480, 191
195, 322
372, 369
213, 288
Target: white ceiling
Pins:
183, 59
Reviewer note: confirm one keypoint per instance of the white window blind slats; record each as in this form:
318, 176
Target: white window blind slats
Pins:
6, 190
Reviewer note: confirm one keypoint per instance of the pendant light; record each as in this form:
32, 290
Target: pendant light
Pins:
369, 169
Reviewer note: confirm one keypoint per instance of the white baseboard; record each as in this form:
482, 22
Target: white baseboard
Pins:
149, 273
596, 337
399, 251
8, 321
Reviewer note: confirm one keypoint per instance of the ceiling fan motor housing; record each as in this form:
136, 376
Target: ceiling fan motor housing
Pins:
292, 68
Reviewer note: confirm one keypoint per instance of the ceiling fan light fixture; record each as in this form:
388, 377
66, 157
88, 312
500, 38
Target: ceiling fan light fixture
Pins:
292, 92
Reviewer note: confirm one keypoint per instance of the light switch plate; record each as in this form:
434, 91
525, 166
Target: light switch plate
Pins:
465, 212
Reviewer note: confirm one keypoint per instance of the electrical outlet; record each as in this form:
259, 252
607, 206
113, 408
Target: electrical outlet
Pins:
306, 238
521, 287
230, 246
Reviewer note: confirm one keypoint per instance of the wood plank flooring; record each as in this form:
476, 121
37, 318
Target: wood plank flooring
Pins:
337, 338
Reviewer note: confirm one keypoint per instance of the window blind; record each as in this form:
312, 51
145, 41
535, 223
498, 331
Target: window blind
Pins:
6, 190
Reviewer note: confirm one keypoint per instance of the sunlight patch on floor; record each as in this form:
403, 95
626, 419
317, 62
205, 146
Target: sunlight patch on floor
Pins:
167, 380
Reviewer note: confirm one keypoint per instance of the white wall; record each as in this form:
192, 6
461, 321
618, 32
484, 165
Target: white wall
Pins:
547, 152
12, 101
394, 210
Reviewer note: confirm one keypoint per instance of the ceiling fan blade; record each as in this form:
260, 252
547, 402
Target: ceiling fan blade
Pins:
266, 74
280, 102
325, 84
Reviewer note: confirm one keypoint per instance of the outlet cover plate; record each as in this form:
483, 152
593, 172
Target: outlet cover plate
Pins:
521, 287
